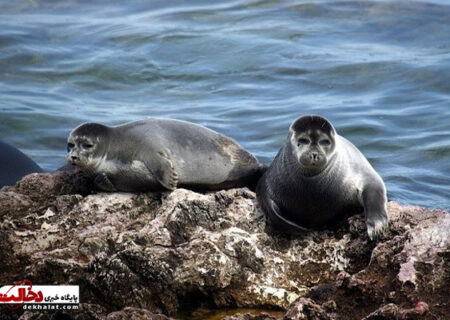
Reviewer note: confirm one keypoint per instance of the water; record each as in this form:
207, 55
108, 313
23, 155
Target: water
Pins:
379, 70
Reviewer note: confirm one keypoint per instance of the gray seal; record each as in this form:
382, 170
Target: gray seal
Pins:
160, 154
14, 165
317, 179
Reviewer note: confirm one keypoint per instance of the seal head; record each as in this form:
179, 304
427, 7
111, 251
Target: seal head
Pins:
86, 144
312, 143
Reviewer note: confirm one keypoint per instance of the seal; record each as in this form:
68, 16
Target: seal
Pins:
160, 154
14, 165
317, 178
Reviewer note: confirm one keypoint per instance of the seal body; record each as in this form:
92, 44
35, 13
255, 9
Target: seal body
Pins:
160, 154
14, 165
318, 178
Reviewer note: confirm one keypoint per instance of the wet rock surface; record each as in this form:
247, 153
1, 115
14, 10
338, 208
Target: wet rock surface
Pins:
156, 256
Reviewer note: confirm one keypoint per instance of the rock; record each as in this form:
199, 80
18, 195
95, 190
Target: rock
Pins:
407, 276
164, 255
135, 314
96, 312
306, 309
392, 311
250, 316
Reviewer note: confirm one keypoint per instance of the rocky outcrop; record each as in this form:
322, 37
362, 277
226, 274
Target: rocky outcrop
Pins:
155, 256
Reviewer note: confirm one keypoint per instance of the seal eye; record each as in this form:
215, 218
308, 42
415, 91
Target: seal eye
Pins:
70, 145
324, 142
303, 141
87, 145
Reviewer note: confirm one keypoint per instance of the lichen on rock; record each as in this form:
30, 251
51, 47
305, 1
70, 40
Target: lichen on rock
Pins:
157, 256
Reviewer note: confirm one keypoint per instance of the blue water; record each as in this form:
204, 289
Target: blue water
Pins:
379, 70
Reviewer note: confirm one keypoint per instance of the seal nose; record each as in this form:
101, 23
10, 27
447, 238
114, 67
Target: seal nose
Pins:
314, 156
73, 158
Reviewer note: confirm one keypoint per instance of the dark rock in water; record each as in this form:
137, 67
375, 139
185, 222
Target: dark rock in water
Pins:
156, 256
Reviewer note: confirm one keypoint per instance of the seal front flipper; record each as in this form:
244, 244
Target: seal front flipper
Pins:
103, 183
374, 202
163, 171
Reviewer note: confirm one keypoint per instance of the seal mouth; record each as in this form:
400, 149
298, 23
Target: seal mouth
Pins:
312, 167
74, 162
314, 164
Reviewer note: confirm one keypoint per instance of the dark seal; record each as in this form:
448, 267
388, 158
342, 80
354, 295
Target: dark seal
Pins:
14, 165
318, 178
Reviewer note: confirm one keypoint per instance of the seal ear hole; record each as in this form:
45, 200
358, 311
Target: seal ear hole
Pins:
325, 142
303, 141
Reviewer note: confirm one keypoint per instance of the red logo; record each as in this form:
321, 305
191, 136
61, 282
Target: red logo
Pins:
23, 295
